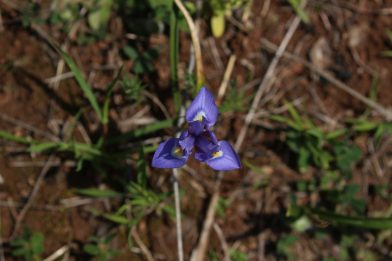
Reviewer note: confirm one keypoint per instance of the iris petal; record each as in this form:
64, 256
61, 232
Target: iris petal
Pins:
196, 127
164, 156
203, 106
187, 141
224, 159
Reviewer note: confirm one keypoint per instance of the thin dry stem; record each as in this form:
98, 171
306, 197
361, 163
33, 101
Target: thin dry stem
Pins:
342, 86
226, 78
225, 246
195, 41
143, 248
266, 83
200, 250
178, 215
1, 23
30, 201
28, 127
58, 253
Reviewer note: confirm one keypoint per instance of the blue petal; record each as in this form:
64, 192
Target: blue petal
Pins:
227, 159
187, 142
206, 144
203, 106
196, 127
164, 158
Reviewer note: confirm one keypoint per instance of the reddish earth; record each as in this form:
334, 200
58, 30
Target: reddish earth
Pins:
255, 219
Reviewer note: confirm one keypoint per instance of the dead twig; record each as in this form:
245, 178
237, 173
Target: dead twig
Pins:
28, 127
225, 246
58, 253
155, 100
143, 248
342, 86
31, 199
266, 82
226, 78
195, 41
1, 23
198, 254
2, 256
200, 250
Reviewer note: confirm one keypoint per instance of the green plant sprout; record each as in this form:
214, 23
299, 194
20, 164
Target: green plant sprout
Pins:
221, 9
313, 146
29, 245
388, 53
299, 10
100, 249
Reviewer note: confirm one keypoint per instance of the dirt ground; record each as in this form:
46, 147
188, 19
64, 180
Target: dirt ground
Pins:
344, 38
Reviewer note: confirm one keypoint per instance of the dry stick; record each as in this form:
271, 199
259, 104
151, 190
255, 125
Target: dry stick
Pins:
180, 247
1, 23
344, 87
200, 81
195, 41
2, 256
200, 250
143, 248
32, 196
28, 127
176, 176
58, 253
266, 83
224, 244
226, 78
155, 100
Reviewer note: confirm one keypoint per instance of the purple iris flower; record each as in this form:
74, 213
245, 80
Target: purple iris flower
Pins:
201, 116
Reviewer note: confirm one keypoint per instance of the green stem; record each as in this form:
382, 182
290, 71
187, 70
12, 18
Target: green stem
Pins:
174, 47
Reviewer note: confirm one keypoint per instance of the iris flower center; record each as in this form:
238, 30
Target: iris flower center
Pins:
199, 116
177, 152
217, 154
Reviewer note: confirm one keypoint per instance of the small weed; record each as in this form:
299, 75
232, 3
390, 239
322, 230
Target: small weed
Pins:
142, 61
388, 53
100, 248
219, 10
237, 255
316, 147
296, 5
133, 87
234, 101
29, 245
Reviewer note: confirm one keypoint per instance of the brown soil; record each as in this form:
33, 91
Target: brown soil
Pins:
255, 216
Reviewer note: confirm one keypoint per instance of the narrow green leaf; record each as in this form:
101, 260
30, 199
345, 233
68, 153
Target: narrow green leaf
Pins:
109, 91
142, 131
98, 193
174, 49
11, 137
387, 53
91, 249
141, 168
86, 88
117, 219
362, 222
43, 147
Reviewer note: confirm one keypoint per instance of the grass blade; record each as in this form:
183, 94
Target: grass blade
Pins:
86, 88
361, 222
11, 137
98, 193
140, 132
109, 91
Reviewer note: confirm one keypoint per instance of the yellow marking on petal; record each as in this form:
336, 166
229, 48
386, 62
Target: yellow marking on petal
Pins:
199, 116
177, 152
217, 154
